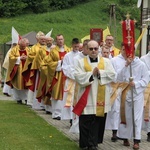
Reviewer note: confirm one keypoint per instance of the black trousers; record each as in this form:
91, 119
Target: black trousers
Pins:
90, 127
102, 121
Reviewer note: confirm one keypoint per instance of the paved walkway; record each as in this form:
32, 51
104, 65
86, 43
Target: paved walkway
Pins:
63, 126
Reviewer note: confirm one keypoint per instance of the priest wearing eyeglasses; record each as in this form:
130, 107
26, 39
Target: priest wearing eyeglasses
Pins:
93, 73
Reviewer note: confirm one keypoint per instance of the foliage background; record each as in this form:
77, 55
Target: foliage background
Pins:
72, 18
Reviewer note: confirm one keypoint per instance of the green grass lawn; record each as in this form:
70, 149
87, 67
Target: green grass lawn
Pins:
22, 129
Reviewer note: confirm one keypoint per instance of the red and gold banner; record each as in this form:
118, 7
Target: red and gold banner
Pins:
128, 36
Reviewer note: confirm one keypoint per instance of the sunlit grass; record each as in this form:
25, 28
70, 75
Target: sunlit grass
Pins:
22, 129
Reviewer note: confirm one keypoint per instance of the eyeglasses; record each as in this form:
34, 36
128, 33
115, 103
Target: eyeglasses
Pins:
109, 39
93, 48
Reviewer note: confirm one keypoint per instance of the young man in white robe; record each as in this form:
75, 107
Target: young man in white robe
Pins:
113, 116
105, 52
146, 60
92, 74
68, 70
137, 86
75, 121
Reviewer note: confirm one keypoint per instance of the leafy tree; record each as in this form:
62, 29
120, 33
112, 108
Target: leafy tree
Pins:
62, 4
37, 6
10, 8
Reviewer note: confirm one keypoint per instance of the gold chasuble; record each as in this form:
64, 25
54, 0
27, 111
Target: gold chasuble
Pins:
14, 75
55, 79
41, 53
26, 70
115, 51
101, 88
41, 87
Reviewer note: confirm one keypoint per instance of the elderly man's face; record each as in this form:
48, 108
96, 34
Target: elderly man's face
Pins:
42, 40
93, 49
22, 46
49, 41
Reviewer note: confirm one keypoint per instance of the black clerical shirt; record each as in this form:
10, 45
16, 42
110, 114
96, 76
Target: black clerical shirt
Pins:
93, 60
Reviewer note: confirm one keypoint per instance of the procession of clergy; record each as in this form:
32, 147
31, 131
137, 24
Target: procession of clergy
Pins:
87, 84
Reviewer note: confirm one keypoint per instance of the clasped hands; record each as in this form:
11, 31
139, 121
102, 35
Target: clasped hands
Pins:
96, 72
23, 57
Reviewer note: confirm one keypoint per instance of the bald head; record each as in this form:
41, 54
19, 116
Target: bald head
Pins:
92, 43
22, 44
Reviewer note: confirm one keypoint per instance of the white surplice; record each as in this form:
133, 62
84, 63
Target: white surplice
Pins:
113, 116
75, 121
141, 79
68, 70
146, 60
82, 77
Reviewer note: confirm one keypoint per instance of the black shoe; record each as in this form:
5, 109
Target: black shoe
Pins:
148, 137
48, 112
57, 118
19, 102
70, 122
7, 94
25, 102
126, 142
114, 138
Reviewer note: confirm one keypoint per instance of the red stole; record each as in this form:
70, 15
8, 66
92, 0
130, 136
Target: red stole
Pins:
112, 53
21, 52
61, 56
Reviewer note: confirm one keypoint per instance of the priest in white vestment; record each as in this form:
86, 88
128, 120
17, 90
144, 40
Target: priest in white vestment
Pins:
93, 73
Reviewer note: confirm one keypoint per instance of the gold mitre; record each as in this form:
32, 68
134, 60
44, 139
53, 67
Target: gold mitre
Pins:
40, 33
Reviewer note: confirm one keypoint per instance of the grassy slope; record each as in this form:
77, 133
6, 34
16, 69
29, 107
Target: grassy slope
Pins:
22, 129
73, 22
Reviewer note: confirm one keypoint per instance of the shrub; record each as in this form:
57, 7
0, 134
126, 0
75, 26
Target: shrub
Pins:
37, 6
62, 4
10, 8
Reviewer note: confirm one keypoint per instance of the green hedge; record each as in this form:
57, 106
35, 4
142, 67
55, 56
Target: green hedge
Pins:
9, 8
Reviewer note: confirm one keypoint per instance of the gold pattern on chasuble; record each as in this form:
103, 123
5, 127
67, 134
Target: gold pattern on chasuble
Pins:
58, 88
17, 81
100, 104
